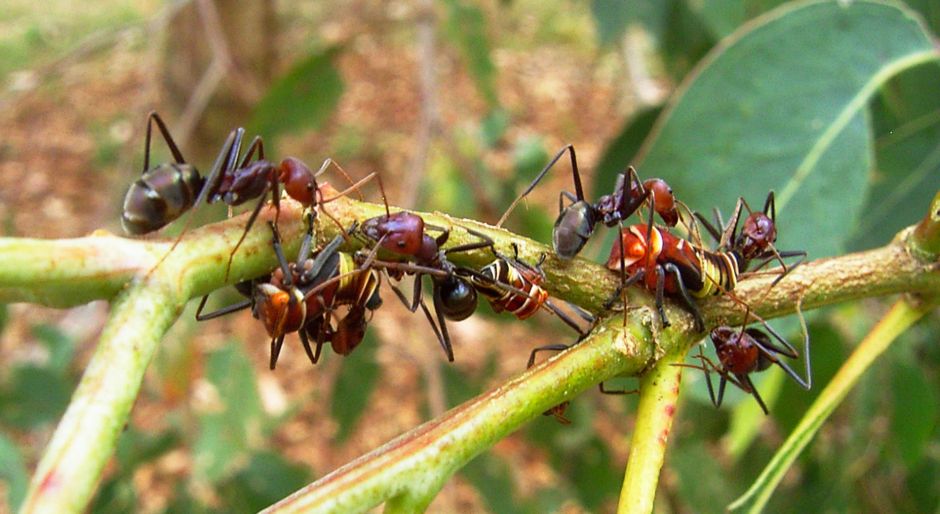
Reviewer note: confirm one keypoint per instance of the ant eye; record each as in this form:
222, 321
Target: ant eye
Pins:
401, 244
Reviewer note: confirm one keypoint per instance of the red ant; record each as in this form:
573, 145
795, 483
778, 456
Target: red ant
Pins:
166, 191
749, 350
454, 297
301, 297
667, 264
576, 222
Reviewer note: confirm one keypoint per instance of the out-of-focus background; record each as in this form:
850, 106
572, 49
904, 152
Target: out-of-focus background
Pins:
457, 104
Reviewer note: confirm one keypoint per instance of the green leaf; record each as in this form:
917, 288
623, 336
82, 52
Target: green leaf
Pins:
912, 394
234, 417
721, 17
301, 99
699, 477
492, 478
354, 385
612, 17
116, 495
621, 151
136, 448
266, 479
37, 396
907, 124
61, 346
768, 110
13, 473
466, 28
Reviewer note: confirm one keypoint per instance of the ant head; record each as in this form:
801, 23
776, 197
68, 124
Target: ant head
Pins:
298, 180
759, 234
573, 228
663, 200
401, 232
735, 349
458, 298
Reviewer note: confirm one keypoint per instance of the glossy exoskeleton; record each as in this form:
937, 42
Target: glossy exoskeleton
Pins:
669, 265
575, 223
404, 234
742, 351
166, 191
303, 296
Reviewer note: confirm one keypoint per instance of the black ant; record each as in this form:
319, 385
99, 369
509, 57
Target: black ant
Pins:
576, 222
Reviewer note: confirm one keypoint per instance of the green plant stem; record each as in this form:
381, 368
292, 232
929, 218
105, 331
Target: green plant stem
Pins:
145, 306
411, 469
659, 392
901, 317
69, 272
85, 438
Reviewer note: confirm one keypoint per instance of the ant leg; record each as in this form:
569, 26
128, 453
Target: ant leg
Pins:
221, 162
320, 260
576, 176
306, 243
558, 347
306, 342
250, 223
330, 162
279, 253
445, 344
660, 286
152, 118
721, 390
235, 307
564, 317
629, 203
620, 292
355, 187
755, 394
686, 297
712, 231
770, 203
729, 231
484, 242
276, 344
439, 311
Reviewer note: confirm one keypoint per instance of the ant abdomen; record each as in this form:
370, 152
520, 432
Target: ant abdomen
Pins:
159, 197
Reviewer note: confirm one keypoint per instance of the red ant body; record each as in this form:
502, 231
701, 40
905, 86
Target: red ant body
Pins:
403, 233
166, 191
750, 350
301, 297
576, 222
669, 265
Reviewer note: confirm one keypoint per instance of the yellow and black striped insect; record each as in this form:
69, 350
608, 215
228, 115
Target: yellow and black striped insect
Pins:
670, 265
514, 286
